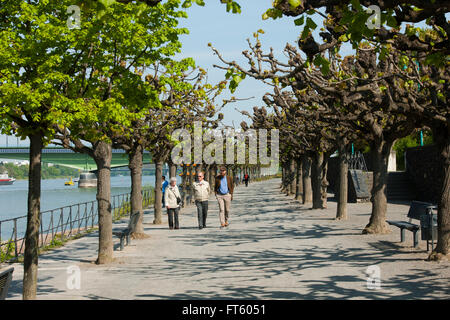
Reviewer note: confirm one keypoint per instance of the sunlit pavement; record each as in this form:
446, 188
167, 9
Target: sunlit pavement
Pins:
274, 248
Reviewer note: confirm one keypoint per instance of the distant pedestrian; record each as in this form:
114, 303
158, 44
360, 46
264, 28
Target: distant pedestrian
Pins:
246, 179
236, 180
223, 188
164, 186
172, 198
201, 196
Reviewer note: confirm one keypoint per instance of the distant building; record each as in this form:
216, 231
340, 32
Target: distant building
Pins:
22, 163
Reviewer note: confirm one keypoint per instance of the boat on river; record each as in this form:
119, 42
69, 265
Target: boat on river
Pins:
87, 180
6, 180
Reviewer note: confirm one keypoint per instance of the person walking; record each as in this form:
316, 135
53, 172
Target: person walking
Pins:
172, 198
201, 195
223, 189
164, 186
246, 178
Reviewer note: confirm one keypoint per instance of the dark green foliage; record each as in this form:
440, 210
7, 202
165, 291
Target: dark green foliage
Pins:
410, 141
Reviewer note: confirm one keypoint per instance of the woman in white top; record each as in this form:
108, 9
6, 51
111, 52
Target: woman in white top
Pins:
171, 197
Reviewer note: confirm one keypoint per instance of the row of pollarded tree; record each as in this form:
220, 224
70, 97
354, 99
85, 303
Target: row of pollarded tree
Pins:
323, 105
106, 85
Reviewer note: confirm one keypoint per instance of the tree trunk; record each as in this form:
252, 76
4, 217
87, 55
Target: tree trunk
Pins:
206, 172
380, 156
135, 164
299, 180
212, 172
317, 180
184, 185
198, 169
191, 182
293, 180
287, 178
30, 265
158, 191
307, 186
342, 192
442, 137
102, 157
324, 183
172, 170
209, 173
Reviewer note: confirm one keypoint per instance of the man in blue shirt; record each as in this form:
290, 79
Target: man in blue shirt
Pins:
223, 188
164, 186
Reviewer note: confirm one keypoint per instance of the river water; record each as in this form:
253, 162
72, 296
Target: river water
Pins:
54, 194
13, 198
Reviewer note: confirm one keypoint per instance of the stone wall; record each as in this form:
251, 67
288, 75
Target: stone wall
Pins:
333, 172
426, 171
423, 167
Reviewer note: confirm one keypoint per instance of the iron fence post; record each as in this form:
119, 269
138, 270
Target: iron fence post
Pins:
61, 215
70, 221
15, 238
53, 227
42, 229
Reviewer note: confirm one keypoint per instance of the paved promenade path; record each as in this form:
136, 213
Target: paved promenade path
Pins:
274, 248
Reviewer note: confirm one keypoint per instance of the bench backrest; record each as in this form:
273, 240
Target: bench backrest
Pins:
418, 209
5, 281
134, 218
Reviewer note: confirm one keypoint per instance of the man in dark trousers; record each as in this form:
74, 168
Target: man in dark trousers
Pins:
201, 195
223, 189
246, 178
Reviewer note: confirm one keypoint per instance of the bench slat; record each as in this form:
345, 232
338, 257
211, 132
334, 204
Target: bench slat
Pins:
404, 224
5, 281
125, 232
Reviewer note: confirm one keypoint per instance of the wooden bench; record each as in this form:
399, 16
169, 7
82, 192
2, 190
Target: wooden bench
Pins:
416, 211
5, 281
126, 232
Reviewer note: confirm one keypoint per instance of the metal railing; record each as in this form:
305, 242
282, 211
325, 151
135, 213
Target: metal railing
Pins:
357, 162
60, 224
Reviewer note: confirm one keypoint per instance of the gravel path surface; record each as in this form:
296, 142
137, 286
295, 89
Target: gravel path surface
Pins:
274, 248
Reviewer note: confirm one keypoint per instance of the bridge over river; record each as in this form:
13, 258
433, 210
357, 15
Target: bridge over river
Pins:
68, 158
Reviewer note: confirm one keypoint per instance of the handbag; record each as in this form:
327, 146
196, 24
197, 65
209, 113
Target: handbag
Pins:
178, 198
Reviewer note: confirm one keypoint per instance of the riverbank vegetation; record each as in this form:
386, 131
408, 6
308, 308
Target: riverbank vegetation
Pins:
48, 172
